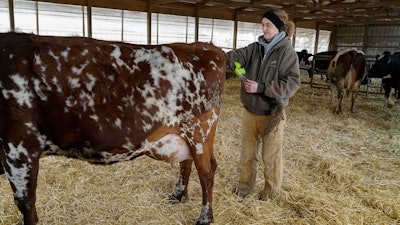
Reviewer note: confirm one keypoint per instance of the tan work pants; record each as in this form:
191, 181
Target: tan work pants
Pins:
253, 133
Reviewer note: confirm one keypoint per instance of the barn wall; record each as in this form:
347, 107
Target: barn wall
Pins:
371, 39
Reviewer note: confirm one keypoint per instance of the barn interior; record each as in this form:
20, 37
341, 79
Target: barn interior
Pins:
339, 169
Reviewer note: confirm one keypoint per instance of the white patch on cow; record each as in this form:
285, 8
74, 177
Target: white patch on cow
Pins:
70, 101
74, 82
128, 145
23, 95
86, 100
199, 149
15, 151
180, 187
111, 77
170, 69
57, 58
38, 90
31, 129
18, 176
210, 122
147, 126
11, 56
128, 101
55, 83
79, 70
171, 144
118, 123
65, 53
204, 214
170, 148
214, 65
85, 52
148, 90
94, 117
38, 61
91, 83
116, 54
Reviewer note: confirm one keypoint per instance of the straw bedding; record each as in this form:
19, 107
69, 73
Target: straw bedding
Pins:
339, 169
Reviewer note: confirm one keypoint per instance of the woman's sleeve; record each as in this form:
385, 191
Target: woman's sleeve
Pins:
238, 55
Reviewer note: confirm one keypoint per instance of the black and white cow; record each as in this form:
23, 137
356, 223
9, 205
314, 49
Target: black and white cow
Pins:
304, 60
387, 67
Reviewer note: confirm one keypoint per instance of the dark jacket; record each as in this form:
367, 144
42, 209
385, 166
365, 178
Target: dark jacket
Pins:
278, 71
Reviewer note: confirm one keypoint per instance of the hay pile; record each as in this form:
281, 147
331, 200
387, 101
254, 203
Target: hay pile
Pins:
339, 169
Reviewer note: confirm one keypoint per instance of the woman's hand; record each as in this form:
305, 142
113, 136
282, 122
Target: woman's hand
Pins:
250, 86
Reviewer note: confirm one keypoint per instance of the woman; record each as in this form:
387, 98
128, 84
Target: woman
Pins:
273, 76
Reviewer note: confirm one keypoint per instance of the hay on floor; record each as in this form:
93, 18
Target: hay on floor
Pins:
339, 169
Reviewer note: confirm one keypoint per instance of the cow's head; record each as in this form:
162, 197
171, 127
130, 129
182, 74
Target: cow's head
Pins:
381, 67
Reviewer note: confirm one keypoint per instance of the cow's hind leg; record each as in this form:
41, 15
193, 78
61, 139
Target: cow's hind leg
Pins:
340, 95
353, 100
206, 166
183, 182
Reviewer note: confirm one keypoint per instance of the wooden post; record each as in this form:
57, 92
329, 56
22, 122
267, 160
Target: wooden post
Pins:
11, 14
316, 39
149, 22
89, 17
235, 30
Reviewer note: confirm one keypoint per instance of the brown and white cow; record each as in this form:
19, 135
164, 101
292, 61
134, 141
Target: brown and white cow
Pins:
345, 72
107, 102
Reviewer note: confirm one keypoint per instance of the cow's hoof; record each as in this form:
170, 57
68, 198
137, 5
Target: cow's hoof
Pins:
204, 222
177, 199
171, 199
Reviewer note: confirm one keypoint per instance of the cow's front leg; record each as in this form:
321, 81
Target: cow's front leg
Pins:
20, 154
21, 169
183, 182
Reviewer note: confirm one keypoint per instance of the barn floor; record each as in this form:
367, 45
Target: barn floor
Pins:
339, 169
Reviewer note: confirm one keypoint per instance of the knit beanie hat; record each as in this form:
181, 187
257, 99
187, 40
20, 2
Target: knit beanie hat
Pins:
274, 19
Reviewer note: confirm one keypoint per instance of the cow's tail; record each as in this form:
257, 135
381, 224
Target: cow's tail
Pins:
1, 149
1, 169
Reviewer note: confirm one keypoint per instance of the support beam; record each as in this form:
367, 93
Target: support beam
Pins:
235, 31
37, 16
11, 14
89, 17
316, 39
149, 11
